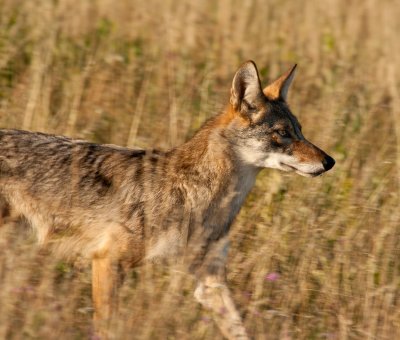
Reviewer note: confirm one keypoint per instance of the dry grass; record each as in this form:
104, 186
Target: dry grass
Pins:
310, 259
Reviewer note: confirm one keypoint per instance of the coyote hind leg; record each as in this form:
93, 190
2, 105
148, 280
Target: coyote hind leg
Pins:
102, 291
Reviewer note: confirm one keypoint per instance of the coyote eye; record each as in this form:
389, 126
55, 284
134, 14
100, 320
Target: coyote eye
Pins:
283, 133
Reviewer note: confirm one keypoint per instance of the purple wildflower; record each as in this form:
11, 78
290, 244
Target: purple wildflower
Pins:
272, 276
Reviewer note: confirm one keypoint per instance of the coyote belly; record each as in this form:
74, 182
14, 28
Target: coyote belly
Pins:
119, 205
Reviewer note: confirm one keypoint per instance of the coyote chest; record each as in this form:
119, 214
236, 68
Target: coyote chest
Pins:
212, 210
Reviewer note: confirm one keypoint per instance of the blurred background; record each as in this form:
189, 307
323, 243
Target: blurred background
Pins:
310, 258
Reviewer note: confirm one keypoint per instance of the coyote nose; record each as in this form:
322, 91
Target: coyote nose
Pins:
328, 163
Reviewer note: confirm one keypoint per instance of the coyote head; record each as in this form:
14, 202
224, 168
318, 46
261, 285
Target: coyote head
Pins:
264, 132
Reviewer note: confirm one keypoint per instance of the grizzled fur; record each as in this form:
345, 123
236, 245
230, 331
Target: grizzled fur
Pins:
95, 194
115, 204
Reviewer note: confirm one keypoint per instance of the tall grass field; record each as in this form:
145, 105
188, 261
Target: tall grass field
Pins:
309, 258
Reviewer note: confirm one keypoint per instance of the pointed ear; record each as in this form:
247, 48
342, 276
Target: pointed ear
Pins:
246, 87
280, 87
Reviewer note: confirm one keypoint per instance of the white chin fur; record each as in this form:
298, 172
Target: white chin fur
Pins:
282, 162
290, 163
307, 174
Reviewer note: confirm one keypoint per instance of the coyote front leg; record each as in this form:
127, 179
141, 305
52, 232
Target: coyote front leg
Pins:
213, 293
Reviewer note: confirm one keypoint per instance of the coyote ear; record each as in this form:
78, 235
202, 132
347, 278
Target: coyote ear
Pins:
246, 87
280, 87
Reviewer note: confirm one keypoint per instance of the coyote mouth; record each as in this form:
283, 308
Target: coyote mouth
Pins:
287, 167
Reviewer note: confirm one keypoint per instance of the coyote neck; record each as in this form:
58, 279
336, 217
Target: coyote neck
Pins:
216, 181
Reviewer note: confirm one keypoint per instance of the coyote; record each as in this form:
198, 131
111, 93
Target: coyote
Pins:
117, 205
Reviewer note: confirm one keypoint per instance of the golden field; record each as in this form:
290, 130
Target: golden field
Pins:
310, 258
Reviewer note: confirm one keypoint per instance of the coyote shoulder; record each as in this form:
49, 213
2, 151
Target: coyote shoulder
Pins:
120, 205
